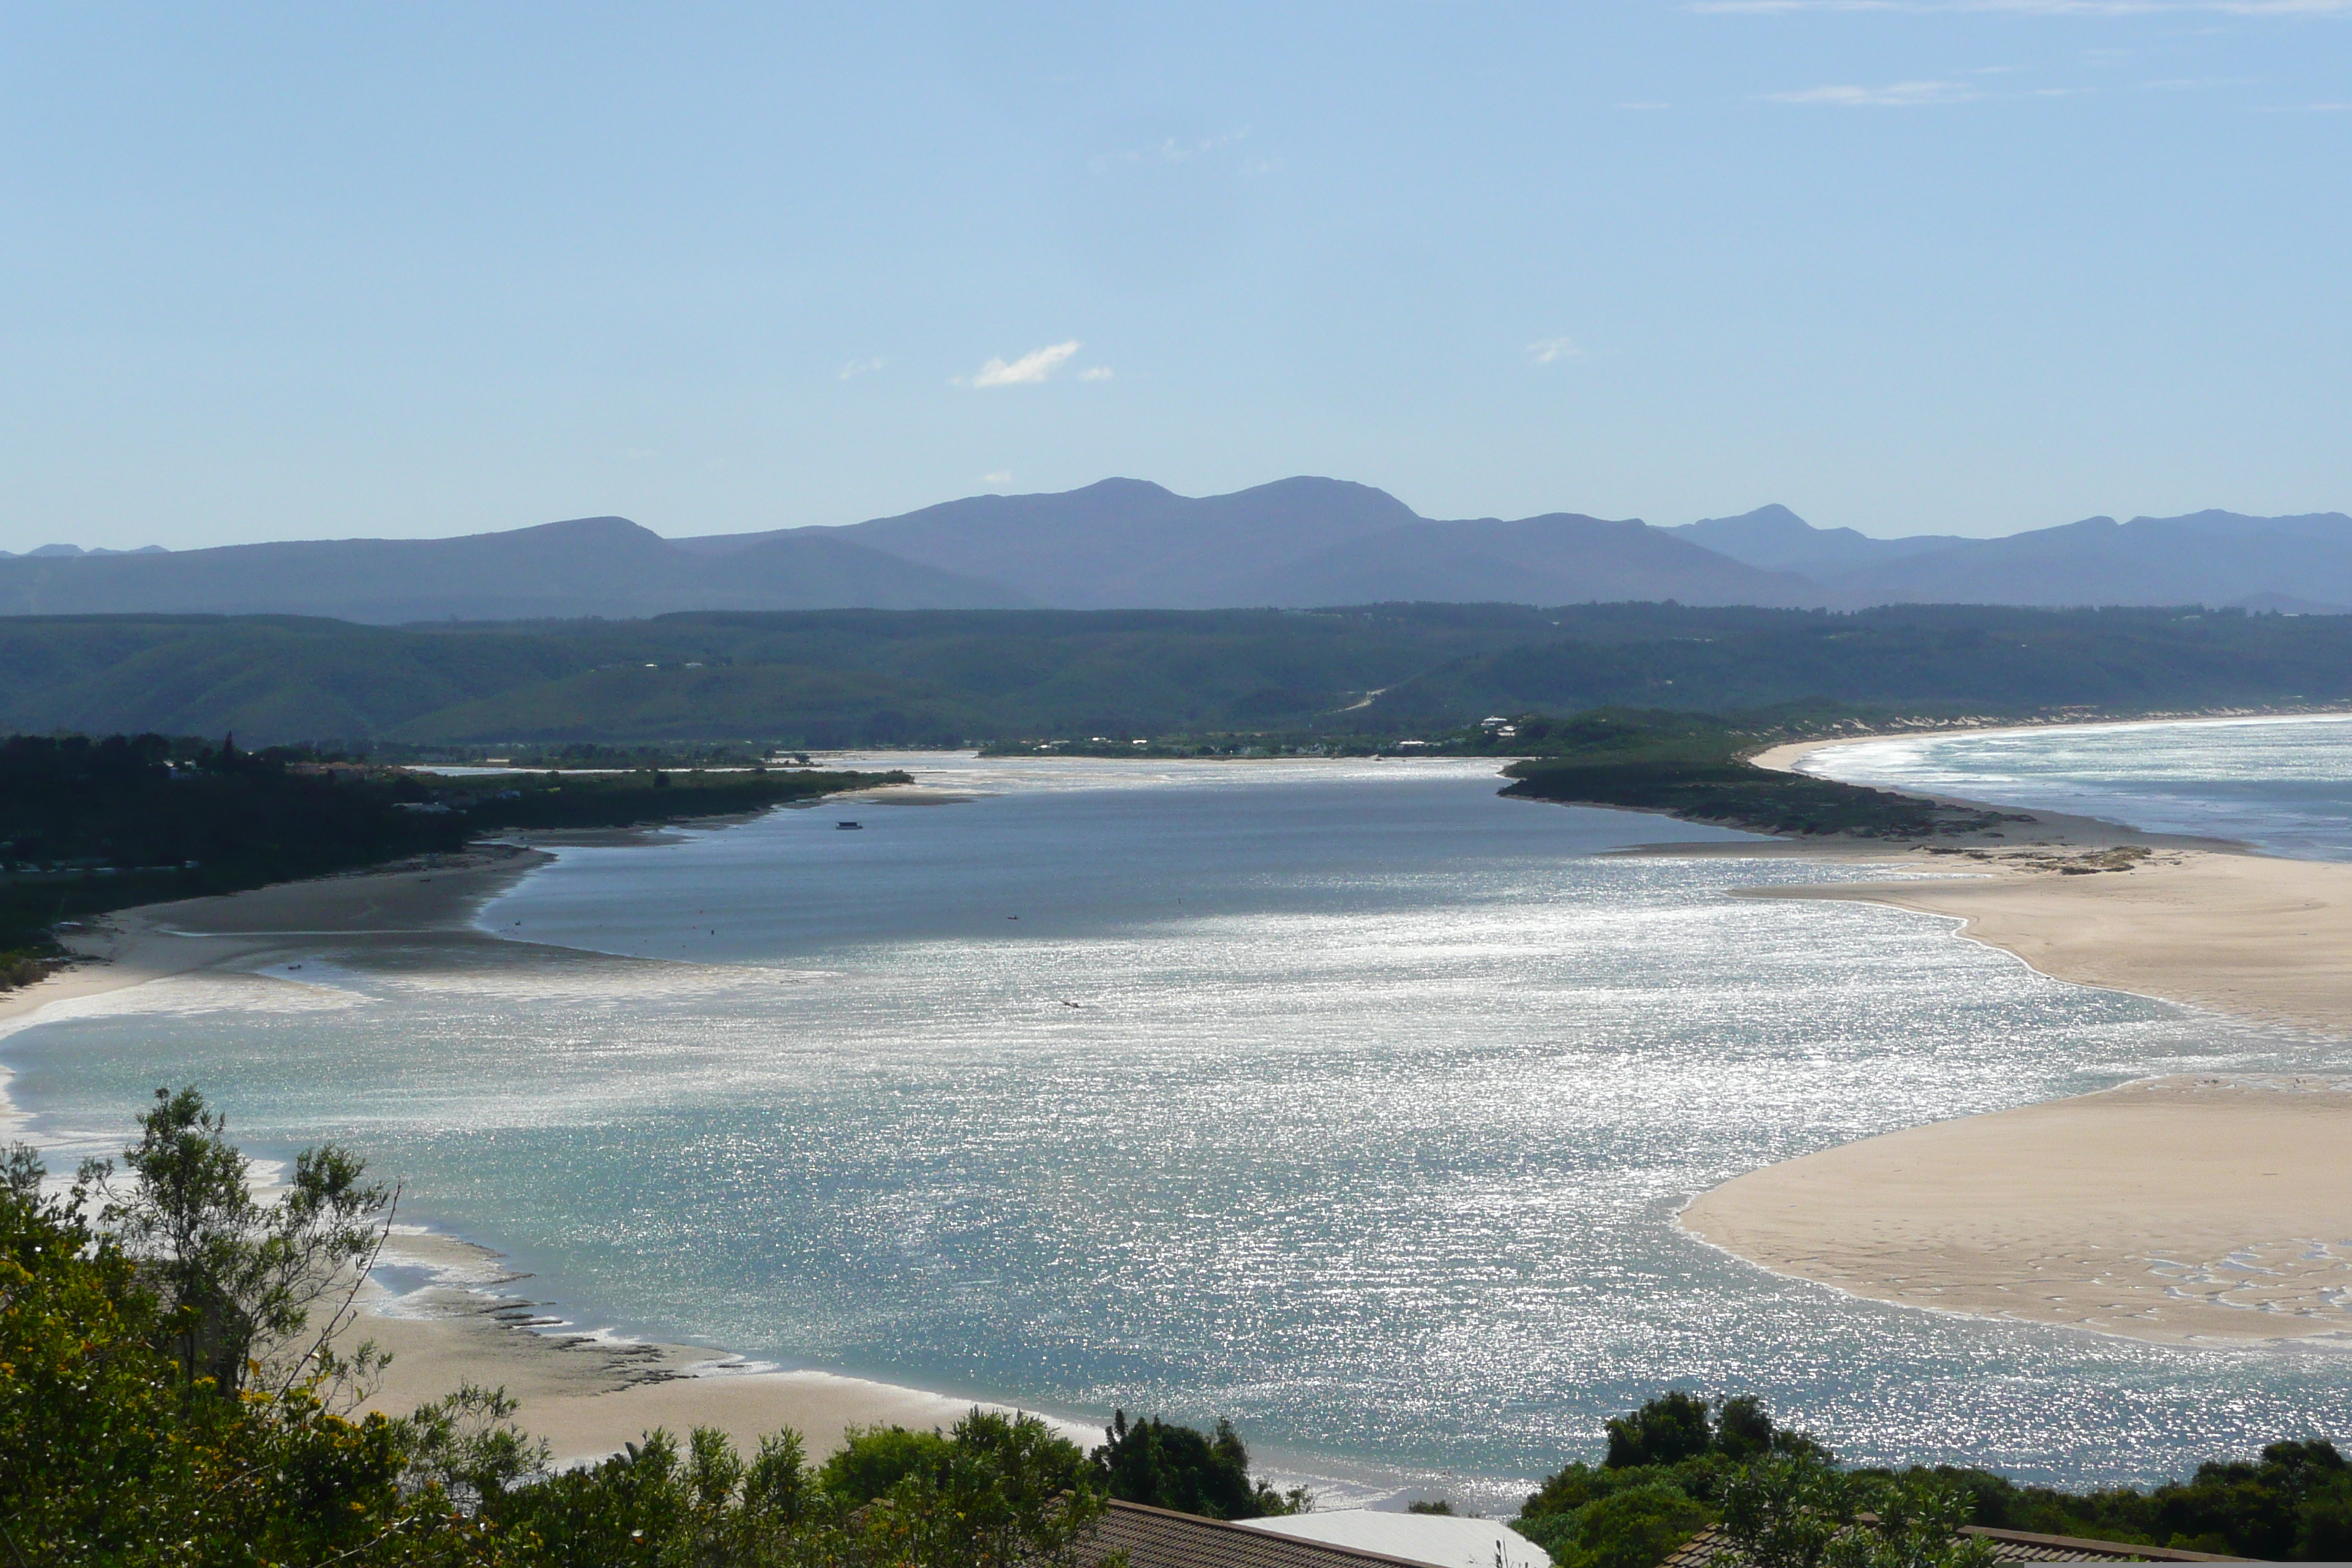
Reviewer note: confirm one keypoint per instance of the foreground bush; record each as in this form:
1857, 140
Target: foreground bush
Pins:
1678, 1465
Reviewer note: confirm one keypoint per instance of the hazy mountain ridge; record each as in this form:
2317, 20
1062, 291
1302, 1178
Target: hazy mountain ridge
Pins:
1121, 544
1777, 540
1297, 543
2216, 558
591, 566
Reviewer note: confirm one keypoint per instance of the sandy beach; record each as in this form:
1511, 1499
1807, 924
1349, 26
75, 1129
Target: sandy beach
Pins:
2182, 1209
2178, 1210
461, 1315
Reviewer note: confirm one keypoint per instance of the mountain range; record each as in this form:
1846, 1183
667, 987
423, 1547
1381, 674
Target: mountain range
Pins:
1129, 545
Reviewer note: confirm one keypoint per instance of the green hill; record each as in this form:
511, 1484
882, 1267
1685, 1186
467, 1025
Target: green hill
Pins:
838, 678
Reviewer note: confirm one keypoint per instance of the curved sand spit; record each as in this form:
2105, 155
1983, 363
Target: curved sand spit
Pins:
2177, 1210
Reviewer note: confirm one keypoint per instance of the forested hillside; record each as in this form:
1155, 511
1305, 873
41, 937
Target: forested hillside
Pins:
837, 678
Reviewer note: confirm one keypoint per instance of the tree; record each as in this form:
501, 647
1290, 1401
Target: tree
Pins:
1671, 1427
1676, 1427
108, 1456
1165, 1465
1785, 1513
236, 1278
466, 1445
1011, 1494
1630, 1528
1794, 1511
1916, 1525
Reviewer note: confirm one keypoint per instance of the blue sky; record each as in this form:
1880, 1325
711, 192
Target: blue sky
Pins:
1913, 266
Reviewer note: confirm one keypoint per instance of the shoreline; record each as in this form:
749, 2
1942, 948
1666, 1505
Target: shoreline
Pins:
1782, 757
461, 1319
2199, 1209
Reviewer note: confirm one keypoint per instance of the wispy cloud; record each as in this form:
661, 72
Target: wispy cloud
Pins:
1645, 106
1033, 366
1001, 477
1169, 150
1095, 372
858, 367
1895, 95
1550, 350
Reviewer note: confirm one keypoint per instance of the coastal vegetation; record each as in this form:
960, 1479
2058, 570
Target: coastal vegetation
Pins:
1680, 1464
931, 678
88, 825
1163, 1465
1696, 767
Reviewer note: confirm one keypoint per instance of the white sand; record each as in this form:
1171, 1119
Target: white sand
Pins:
2175, 1210
588, 1393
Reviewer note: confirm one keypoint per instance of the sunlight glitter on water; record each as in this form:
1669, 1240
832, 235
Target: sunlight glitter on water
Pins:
1352, 1104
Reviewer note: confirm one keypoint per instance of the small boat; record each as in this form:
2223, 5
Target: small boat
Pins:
850, 826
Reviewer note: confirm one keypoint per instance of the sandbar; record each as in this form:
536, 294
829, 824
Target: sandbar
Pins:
2197, 1210
2181, 1210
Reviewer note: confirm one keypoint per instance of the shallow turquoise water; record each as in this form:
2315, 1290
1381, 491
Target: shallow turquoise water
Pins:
1351, 1102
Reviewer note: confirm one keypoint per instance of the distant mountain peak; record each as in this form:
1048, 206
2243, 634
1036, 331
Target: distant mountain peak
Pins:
76, 553
1115, 485
583, 527
1777, 540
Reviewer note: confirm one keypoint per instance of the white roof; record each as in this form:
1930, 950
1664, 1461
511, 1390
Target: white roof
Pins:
1431, 1538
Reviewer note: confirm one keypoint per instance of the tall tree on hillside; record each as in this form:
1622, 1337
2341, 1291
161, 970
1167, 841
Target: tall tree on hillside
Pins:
236, 1278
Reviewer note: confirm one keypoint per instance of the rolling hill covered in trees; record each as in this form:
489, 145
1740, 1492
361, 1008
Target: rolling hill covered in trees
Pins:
839, 678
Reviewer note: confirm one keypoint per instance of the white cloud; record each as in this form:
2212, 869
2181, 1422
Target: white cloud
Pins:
1095, 372
1168, 149
1548, 350
1645, 106
858, 367
1895, 95
1033, 366
1001, 477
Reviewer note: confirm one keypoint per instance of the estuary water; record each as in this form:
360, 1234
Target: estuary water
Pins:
1348, 1101
2284, 784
